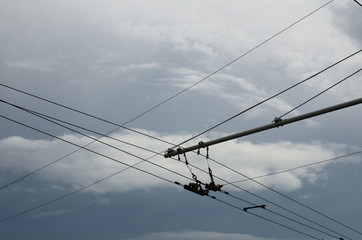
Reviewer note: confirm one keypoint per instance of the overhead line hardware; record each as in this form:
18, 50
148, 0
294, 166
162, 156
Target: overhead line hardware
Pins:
276, 123
258, 206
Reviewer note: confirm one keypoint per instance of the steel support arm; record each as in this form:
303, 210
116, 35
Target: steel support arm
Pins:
276, 123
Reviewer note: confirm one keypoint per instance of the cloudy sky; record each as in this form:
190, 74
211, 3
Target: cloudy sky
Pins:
117, 60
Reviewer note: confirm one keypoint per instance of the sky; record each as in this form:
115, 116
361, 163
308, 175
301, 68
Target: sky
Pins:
167, 71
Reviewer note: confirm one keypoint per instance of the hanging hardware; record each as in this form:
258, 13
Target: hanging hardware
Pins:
196, 188
211, 186
258, 206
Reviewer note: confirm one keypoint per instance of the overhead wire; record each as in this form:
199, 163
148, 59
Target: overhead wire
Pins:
98, 181
179, 93
265, 100
230, 195
122, 125
203, 79
147, 135
299, 167
99, 141
317, 95
92, 184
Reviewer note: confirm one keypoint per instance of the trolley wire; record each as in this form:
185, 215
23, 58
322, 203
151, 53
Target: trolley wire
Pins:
265, 100
179, 93
30, 112
98, 181
317, 95
224, 192
298, 167
285, 196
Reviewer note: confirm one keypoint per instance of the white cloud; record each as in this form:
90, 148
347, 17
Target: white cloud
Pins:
196, 235
83, 168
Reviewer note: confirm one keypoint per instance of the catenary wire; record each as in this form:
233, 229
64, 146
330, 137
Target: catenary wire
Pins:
358, 3
256, 215
119, 126
230, 63
227, 194
98, 181
298, 222
264, 199
302, 166
285, 196
104, 143
317, 95
179, 93
265, 100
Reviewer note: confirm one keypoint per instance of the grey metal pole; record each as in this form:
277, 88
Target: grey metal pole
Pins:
276, 123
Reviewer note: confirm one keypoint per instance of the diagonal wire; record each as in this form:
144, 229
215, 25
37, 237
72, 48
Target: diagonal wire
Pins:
200, 182
267, 99
302, 166
325, 90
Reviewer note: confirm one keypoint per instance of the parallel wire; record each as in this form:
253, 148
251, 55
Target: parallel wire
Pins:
325, 90
98, 181
302, 166
285, 196
288, 218
179, 93
104, 143
230, 63
275, 222
267, 99
358, 3
152, 137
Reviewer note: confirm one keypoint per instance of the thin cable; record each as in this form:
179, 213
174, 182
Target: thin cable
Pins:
302, 166
358, 3
267, 99
285, 196
158, 166
46, 117
264, 218
87, 149
99, 141
76, 191
184, 90
228, 64
268, 201
321, 92
298, 222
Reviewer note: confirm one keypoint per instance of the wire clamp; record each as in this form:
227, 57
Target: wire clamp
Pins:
200, 146
278, 121
258, 206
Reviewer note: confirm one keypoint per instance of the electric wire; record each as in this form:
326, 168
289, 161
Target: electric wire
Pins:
287, 197
43, 118
298, 222
317, 95
179, 93
231, 62
33, 113
152, 137
92, 184
358, 3
227, 194
258, 216
267, 99
266, 200
106, 144
298, 167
